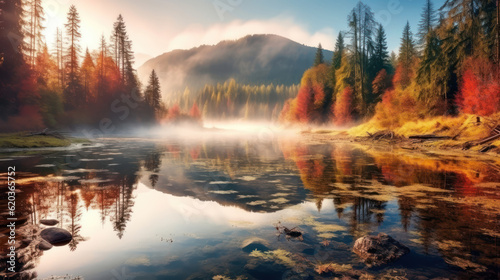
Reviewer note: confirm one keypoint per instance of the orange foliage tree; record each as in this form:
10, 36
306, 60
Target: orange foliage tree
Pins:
343, 107
313, 100
480, 88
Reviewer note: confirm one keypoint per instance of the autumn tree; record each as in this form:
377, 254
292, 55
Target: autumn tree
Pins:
73, 91
195, 112
87, 77
343, 107
480, 88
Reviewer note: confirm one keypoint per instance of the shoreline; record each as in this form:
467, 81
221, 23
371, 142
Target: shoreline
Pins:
436, 147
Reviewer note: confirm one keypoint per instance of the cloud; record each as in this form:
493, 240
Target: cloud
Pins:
194, 36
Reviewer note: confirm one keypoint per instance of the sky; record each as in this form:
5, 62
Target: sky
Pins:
159, 26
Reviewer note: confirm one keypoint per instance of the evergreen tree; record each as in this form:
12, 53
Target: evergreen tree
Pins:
87, 74
339, 51
406, 59
319, 59
427, 23
152, 95
380, 57
73, 91
336, 63
13, 68
35, 17
361, 23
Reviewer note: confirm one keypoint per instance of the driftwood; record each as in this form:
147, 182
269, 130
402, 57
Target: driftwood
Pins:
429, 137
46, 132
384, 134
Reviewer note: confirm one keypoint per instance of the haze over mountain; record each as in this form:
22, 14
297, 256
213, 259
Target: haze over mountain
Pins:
254, 60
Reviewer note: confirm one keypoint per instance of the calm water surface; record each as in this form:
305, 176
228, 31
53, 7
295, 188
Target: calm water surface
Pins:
208, 209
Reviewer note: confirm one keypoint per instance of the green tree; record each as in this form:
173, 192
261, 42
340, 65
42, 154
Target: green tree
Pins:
406, 59
319, 59
13, 68
361, 23
73, 91
427, 23
152, 95
380, 57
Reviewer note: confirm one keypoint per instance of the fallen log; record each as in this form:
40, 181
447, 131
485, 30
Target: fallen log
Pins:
46, 132
429, 137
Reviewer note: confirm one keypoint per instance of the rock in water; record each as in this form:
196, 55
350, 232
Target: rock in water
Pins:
379, 250
56, 236
49, 222
44, 245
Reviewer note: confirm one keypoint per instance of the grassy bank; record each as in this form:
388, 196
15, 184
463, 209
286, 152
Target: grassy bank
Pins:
460, 129
23, 140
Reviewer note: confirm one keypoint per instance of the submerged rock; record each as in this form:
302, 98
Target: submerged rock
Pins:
379, 250
44, 245
49, 222
254, 243
56, 236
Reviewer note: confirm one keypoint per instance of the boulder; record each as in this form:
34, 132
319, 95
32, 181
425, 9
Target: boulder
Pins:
44, 245
49, 222
56, 236
379, 250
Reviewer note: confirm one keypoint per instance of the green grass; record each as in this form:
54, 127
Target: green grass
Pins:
21, 140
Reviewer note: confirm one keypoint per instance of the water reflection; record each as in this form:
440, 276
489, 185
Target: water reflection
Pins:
215, 195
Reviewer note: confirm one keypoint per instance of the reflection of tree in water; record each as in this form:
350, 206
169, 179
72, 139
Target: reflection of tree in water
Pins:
152, 163
75, 214
338, 173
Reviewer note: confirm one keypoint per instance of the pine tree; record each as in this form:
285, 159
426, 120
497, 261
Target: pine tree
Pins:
59, 54
35, 17
406, 59
427, 23
13, 68
380, 57
319, 59
152, 95
361, 23
339, 51
336, 63
87, 74
73, 91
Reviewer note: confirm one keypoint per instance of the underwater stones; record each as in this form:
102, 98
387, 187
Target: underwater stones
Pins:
49, 222
254, 243
44, 245
56, 236
379, 250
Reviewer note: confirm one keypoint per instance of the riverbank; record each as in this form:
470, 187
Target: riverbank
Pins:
444, 135
24, 140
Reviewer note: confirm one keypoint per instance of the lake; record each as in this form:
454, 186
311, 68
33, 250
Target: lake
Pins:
215, 208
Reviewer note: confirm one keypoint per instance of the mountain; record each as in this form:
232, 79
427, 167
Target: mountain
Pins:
254, 60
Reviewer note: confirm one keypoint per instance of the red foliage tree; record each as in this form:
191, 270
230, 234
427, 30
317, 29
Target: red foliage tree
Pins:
343, 107
305, 102
480, 89
174, 112
195, 112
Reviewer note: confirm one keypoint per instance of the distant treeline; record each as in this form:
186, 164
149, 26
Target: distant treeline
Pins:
232, 100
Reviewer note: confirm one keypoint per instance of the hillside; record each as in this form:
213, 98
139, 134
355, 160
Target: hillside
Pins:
254, 60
